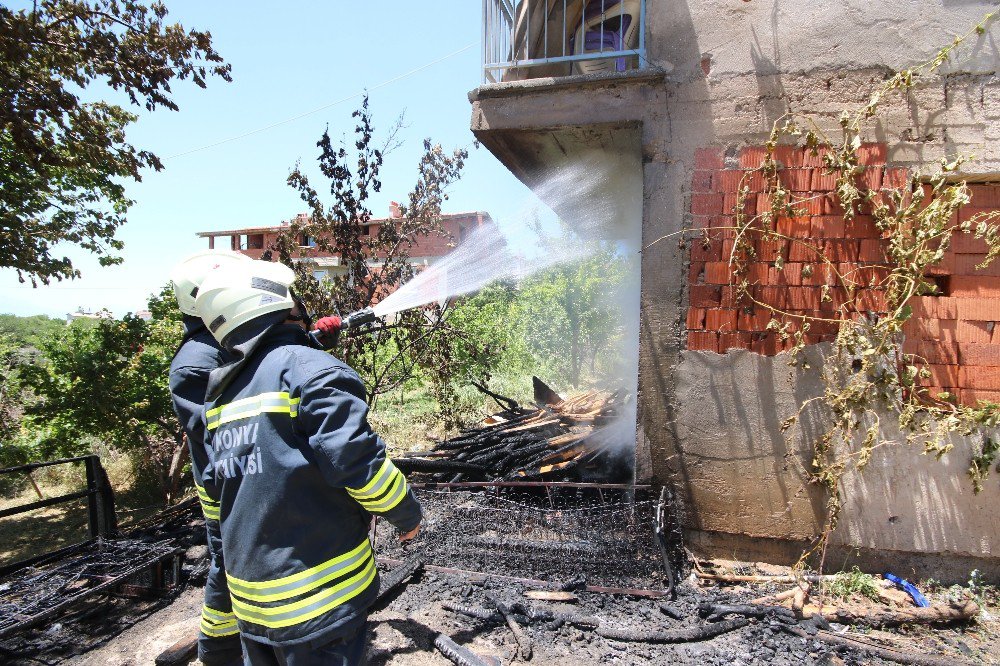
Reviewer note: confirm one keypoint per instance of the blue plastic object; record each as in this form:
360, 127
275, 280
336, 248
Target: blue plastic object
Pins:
909, 588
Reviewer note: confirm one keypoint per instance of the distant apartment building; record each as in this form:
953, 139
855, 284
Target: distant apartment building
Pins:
253, 241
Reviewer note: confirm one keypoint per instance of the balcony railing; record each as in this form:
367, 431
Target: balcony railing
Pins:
534, 38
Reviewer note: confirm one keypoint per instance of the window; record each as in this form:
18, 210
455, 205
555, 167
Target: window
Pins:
307, 241
320, 274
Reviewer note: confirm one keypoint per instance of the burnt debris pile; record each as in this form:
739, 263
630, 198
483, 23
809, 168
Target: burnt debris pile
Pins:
568, 536
586, 437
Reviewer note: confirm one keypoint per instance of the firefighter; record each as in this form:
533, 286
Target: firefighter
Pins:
198, 355
297, 472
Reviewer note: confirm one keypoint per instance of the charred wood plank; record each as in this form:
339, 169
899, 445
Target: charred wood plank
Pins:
524, 646
686, 635
940, 614
408, 465
888, 654
543, 393
393, 582
180, 652
459, 654
509, 404
715, 612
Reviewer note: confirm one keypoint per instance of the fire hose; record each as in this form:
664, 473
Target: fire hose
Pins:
326, 332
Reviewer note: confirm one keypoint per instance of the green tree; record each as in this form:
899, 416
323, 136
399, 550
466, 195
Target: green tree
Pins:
29, 331
63, 161
570, 316
110, 382
376, 263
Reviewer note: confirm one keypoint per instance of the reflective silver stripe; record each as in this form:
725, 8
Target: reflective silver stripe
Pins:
312, 606
304, 581
274, 402
216, 624
396, 496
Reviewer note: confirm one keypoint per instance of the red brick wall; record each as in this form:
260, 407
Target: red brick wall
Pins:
954, 332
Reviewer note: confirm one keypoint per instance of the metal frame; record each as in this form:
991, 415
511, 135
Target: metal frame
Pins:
101, 517
499, 52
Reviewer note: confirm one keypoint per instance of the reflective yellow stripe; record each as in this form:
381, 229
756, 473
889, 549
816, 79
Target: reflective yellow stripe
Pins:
377, 483
216, 624
385, 490
394, 497
274, 402
211, 513
286, 615
303, 581
219, 631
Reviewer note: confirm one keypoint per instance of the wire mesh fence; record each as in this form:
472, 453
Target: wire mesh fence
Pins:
560, 535
32, 594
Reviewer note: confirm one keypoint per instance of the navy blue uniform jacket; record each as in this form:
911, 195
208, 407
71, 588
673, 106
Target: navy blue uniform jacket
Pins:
298, 473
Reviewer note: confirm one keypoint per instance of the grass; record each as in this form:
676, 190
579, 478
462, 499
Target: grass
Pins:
847, 584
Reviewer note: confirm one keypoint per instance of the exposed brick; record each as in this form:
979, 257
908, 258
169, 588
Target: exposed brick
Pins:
973, 354
705, 296
975, 331
823, 181
708, 158
831, 205
872, 153
702, 181
870, 178
764, 203
795, 227
729, 180
766, 344
731, 202
870, 300
703, 341
973, 396
978, 309
977, 377
717, 272
979, 287
811, 160
871, 275
943, 375
696, 272
985, 196
706, 251
871, 250
840, 250
946, 266
736, 340
729, 297
701, 221
752, 157
804, 298
804, 252
696, 319
790, 274
795, 180
757, 273
776, 297
769, 249
754, 319
706, 203
814, 204
968, 264
966, 243
938, 352
862, 226
829, 226
788, 156
896, 178
720, 320
966, 213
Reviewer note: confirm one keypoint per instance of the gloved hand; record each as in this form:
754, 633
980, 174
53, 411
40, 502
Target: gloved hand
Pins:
326, 332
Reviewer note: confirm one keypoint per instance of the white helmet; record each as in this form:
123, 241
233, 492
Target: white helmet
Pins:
235, 294
188, 275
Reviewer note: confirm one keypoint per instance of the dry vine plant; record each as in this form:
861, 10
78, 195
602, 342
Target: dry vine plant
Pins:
868, 378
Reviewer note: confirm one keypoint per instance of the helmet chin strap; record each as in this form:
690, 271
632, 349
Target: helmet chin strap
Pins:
303, 315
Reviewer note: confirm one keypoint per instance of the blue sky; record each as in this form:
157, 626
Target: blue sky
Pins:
288, 58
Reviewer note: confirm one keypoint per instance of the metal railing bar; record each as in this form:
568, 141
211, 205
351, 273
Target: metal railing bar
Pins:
35, 465
545, 44
43, 558
565, 37
41, 504
557, 59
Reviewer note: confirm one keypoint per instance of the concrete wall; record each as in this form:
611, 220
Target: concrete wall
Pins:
710, 423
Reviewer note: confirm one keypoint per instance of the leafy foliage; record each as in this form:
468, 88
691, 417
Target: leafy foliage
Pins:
418, 341
110, 382
64, 160
847, 584
29, 331
868, 376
